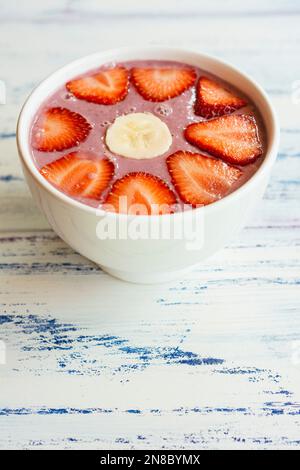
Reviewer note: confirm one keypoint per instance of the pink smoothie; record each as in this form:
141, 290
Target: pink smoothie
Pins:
177, 113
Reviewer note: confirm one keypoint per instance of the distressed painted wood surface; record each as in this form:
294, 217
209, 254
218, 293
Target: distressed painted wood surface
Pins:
209, 361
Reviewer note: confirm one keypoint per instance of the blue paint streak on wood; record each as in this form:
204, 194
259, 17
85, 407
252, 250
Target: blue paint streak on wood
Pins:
35, 268
9, 178
51, 335
267, 409
7, 135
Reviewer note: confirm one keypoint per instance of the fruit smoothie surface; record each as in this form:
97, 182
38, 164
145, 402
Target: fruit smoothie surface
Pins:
157, 132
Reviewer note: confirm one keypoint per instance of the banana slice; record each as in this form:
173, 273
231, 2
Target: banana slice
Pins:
138, 135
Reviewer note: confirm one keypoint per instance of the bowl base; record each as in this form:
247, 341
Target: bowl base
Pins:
146, 278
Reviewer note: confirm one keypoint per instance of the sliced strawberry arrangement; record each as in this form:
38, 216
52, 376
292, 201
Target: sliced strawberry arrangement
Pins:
105, 87
199, 179
59, 129
234, 138
160, 84
214, 100
140, 193
79, 175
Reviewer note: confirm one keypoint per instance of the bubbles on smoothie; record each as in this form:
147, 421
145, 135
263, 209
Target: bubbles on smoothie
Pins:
131, 110
190, 106
70, 97
105, 123
163, 109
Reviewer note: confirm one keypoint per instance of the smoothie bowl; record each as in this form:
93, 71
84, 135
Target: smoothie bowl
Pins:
147, 160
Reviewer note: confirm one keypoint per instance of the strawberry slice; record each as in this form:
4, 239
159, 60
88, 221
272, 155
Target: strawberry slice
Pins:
59, 129
213, 100
199, 179
79, 174
140, 193
105, 87
234, 138
156, 84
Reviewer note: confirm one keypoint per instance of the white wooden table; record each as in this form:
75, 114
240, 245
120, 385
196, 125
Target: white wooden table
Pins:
210, 361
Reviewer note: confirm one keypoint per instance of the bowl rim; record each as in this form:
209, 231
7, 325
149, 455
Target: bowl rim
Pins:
24, 145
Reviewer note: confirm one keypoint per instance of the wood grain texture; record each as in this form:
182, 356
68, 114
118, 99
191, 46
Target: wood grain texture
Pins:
209, 361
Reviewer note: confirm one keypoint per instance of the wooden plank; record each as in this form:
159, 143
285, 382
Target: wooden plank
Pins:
224, 327
241, 45
56, 9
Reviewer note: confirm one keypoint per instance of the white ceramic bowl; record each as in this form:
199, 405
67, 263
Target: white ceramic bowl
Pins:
149, 259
